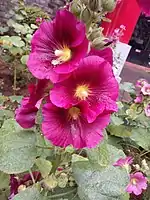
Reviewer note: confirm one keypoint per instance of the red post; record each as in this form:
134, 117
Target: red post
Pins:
126, 13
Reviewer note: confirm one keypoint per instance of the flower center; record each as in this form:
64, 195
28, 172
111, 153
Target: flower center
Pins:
134, 181
63, 55
74, 113
82, 92
148, 90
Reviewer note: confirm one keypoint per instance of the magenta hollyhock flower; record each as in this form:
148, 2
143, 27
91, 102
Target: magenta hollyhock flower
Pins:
145, 6
26, 113
57, 46
64, 127
106, 53
138, 182
147, 110
124, 162
141, 82
138, 99
146, 89
92, 82
17, 184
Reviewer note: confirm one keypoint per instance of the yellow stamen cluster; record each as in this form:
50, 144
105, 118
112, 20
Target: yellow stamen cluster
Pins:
82, 92
74, 113
63, 55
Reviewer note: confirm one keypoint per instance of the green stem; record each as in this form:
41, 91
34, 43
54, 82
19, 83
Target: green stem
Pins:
63, 194
42, 147
143, 154
15, 79
56, 163
32, 177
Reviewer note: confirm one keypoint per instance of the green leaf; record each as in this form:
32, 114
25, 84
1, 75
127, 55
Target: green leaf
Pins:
16, 41
15, 98
33, 26
17, 148
116, 120
119, 131
24, 59
99, 155
19, 17
128, 87
4, 180
44, 166
3, 30
15, 50
29, 194
108, 184
142, 137
126, 196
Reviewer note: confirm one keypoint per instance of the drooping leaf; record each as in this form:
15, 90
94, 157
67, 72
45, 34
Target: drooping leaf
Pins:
44, 166
29, 194
17, 148
142, 137
119, 131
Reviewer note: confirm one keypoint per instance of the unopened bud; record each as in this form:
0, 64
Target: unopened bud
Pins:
95, 5
98, 43
109, 5
95, 33
76, 8
85, 2
50, 182
85, 15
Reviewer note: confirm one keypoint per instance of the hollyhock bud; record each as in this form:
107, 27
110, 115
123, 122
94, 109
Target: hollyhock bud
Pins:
98, 43
94, 5
76, 8
108, 5
85, 15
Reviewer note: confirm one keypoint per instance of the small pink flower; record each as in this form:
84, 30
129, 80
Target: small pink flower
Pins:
93, 82
26, 113
146, 89
57, 46
139, 99
39, 20
138, 182
145, 6
141, 82
147, 110
64, 127
124, 162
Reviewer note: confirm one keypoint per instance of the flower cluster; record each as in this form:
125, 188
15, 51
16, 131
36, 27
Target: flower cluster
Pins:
138, 181
143, 96
76, 87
